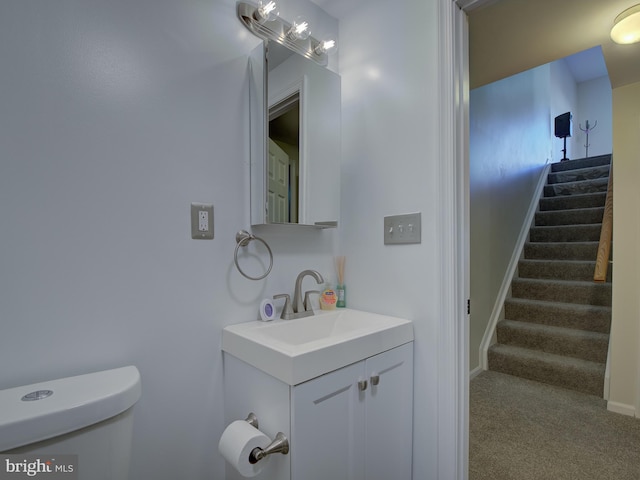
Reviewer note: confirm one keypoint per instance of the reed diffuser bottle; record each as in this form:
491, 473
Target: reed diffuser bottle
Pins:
341, 289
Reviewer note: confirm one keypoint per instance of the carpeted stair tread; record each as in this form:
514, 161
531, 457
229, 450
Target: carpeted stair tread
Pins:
566, 291
594, 318
560, 250
571, 342
566, 233
576, 188
579, 174
581, 163
573, 373
582, 270
556, 323
574, 216
567, 202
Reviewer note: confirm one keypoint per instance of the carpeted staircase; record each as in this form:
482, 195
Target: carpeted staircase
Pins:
557, 320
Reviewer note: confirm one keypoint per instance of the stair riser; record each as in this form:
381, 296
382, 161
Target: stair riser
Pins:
561, 251
588, 294
576, 346
580, 175
580, 216
557, 321
557, 270
581, 163
569, 202
576, 188
576, 233
582, 381
594, 320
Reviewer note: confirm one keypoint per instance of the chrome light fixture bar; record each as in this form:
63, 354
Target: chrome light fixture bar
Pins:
279, 30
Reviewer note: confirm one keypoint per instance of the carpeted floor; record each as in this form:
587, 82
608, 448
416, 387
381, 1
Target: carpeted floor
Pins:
525, 430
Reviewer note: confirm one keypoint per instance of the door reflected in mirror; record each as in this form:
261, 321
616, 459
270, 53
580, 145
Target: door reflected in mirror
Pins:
284, 160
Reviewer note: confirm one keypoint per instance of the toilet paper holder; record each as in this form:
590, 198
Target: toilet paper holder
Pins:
280, 444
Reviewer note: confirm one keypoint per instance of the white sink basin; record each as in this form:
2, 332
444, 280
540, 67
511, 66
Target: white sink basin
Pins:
295, 351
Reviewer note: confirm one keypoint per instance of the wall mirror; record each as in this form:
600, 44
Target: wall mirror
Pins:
295, 138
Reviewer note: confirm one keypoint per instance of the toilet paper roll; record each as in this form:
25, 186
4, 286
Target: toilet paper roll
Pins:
237, 442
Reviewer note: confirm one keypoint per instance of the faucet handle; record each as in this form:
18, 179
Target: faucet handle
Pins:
307, 304
287, 311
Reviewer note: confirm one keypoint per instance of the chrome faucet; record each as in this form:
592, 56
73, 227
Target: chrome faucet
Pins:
300, 308
298, 305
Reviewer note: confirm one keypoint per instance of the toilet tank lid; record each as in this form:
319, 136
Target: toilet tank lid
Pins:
32, 413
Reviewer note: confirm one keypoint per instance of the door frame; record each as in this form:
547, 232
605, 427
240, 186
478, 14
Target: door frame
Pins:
453, 345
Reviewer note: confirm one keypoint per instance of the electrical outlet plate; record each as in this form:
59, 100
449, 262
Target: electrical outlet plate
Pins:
401, 229
201, 221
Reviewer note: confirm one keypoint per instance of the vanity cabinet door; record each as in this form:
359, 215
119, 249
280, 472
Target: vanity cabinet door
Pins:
327, 425
389, 415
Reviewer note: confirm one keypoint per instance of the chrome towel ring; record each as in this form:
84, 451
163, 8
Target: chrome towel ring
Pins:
243, 238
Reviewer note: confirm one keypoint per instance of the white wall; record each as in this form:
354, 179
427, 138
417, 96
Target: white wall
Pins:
390, 166
594, 104
624, 394
564, 98
115, 117
510, 142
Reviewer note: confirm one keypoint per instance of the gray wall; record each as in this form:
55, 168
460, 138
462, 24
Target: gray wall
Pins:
594, 104
390, 166
564, 98
114, 117
510, 142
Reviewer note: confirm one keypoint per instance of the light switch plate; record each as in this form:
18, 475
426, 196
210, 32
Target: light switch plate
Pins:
401, 229
201, 221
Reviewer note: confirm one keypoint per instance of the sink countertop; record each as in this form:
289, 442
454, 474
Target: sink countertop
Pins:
298, 350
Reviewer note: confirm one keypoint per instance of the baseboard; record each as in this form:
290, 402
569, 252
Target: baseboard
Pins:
621, 408
607, 375
475, 372
511, 268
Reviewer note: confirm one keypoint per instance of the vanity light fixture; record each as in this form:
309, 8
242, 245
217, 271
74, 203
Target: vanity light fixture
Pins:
299, 29
267, 10
326, 46
262, 22
626, 26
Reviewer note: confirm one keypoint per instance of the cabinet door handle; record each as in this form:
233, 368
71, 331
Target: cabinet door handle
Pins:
375, 380
362, 385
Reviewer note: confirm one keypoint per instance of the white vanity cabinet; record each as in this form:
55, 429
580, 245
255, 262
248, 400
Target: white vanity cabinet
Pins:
355, 423
337, 428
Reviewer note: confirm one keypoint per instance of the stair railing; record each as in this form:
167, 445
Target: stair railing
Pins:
606, 234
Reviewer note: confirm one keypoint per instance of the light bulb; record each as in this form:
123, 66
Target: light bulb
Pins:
299, 29
267, 10
326, 46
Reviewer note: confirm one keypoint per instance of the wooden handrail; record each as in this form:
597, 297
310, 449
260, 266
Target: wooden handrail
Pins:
606, 233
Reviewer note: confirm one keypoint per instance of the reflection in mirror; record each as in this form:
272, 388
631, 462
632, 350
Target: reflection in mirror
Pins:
284, 160
302, 178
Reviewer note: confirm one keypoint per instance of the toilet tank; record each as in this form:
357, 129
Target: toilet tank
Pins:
87, 417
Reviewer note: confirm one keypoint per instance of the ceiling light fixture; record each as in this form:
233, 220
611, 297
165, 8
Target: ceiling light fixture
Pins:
626, 26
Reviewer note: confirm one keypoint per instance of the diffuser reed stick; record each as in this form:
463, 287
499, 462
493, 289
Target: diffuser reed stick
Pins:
341, 290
